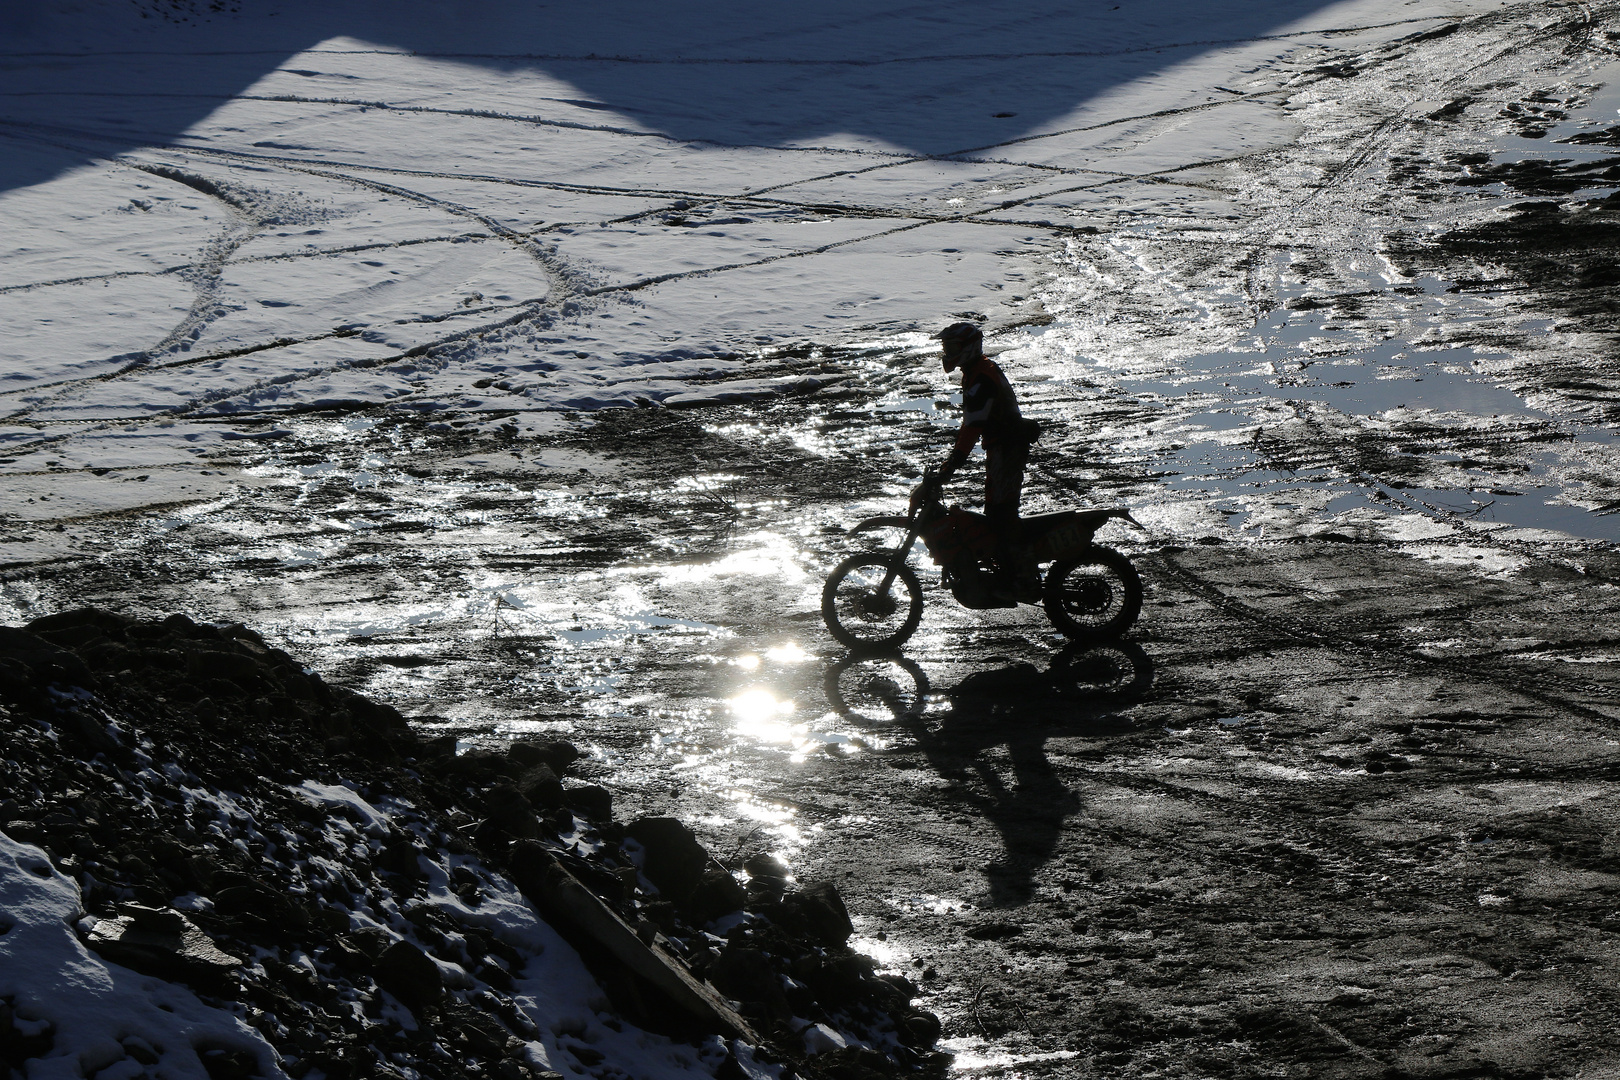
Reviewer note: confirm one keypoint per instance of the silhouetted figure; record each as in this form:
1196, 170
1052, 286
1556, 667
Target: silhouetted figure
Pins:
990, 412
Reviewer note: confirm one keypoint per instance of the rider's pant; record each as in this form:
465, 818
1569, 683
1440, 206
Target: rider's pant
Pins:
1003, 487
1003, 481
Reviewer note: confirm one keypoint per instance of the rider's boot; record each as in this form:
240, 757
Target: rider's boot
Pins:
1017, 579
1018, 576
1004, 587
1026, 575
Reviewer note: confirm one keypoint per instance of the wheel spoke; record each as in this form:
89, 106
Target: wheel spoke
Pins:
1094, 597
860, 612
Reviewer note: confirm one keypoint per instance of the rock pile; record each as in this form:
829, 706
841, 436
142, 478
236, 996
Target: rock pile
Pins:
293, 850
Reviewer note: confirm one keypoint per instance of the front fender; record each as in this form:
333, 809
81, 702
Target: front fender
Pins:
880, 523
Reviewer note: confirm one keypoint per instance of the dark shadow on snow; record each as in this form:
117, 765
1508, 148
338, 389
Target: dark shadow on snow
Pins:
933, 79
1012, 710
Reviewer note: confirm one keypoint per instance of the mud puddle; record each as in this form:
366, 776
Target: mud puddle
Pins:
1220, 406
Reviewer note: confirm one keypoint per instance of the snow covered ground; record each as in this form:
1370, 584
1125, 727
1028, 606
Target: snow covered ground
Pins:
511, 207
1175, 212
95, 1018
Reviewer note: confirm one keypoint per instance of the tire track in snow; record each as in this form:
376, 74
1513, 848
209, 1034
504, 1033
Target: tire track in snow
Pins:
750, 198
478, 114
534, 308
562, 283
204, 276
537, 308
976, 217
712, 198
1108, 177
564, 287
182, 267
529, 310
278, 343
898, 160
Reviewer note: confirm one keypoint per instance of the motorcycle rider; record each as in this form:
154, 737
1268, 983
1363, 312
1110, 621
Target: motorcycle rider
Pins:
990, 411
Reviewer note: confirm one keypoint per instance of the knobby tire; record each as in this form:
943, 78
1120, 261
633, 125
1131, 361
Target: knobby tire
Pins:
847, 587
1096, 597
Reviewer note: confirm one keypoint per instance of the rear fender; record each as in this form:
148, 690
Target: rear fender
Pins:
1070, 539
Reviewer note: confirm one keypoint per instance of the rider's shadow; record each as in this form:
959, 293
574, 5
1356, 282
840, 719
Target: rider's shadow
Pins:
991, 741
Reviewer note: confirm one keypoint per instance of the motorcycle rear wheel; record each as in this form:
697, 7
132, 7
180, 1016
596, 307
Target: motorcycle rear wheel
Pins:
857, 615
1096, 597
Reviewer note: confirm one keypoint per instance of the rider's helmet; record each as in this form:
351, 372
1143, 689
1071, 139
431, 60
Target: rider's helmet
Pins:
962, 341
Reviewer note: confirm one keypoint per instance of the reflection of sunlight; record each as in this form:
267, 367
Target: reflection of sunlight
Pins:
775, 821
781, 654
606, 618
773, 556
517, 728
705, 483
760, 715
974, 1056
752, 807
887, 955
934, 905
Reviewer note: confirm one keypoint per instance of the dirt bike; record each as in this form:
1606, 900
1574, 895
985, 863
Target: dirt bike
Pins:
1090, 592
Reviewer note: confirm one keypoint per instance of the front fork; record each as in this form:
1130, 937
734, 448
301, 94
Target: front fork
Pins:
900, 554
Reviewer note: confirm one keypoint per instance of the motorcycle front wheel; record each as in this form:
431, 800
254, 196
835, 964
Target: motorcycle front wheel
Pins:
855, 612
1095, 597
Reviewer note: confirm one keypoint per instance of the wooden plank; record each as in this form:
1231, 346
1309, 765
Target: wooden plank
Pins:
560, 896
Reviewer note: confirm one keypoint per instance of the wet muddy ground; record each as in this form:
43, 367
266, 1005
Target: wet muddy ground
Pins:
1338, 805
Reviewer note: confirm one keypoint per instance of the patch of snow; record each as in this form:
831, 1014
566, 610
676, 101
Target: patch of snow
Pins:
92, 1009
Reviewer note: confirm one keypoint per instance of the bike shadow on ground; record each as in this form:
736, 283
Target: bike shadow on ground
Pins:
987, 736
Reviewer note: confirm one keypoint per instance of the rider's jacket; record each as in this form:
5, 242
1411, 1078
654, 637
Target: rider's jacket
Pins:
989, 410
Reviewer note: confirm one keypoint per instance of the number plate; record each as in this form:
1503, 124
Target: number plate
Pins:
1066, 540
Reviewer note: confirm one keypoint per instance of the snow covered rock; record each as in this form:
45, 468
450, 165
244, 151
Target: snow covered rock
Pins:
66, 1013
160, 942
